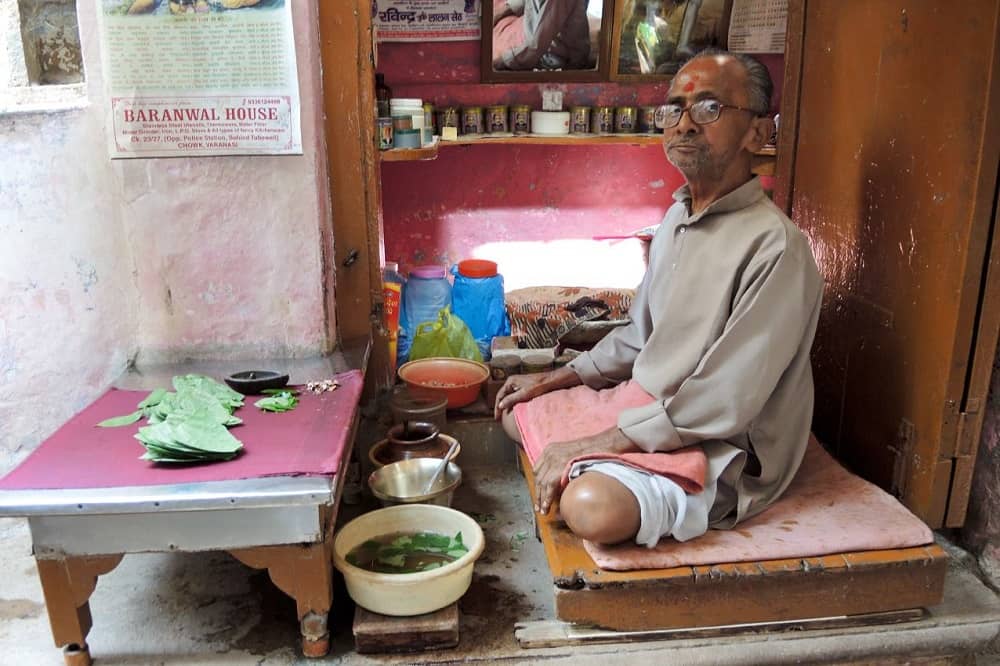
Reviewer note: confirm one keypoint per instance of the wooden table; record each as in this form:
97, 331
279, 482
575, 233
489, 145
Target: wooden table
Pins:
283, 524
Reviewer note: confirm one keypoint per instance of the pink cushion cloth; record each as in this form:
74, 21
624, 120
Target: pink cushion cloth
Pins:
581, 411
310, 439
825, 510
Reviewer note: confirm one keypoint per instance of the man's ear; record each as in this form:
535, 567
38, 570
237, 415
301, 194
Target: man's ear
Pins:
758, 134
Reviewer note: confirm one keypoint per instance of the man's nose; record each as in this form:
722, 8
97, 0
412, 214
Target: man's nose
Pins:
685, 125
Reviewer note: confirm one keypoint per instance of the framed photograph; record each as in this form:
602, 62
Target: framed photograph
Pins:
653, 38
546, 40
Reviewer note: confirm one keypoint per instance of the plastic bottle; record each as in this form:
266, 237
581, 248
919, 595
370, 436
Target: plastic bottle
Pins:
478, 300
383, 94
426, 291
392, 300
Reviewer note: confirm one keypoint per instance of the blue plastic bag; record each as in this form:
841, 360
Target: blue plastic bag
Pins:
479, 302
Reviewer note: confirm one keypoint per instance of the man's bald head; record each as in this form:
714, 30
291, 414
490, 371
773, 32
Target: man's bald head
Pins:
759, 86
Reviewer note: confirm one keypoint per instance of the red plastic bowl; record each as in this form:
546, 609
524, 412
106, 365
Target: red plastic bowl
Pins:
458, 378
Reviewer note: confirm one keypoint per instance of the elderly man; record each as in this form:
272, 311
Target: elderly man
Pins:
716, 355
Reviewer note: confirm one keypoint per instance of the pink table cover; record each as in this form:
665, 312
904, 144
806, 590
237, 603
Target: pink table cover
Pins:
309, 440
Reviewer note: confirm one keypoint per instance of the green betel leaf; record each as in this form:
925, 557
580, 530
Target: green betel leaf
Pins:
153, 398
280, 402
117, 421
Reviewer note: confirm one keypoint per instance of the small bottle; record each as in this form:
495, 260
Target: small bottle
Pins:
392, 295
382, 95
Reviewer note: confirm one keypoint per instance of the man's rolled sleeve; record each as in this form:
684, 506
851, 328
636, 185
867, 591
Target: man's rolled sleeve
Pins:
650, 428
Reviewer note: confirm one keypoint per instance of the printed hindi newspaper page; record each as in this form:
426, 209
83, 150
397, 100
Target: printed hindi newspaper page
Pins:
426, 20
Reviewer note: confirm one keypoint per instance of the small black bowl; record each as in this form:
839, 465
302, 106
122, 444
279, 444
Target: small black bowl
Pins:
255, 381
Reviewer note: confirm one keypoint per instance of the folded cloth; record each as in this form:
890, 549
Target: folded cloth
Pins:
581, 411
825, 510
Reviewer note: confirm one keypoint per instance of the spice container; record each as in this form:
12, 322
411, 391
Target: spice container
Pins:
536, 363
496, 119
603, 120
406, 138
520, 118
625, 119
384, 131
407, 107
428, 122
502, 367
647, 120
402, 123
579, 120
472, 120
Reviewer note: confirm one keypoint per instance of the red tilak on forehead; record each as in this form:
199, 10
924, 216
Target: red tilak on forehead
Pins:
689, 86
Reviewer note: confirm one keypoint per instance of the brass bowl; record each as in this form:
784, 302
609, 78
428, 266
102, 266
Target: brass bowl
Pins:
404, 482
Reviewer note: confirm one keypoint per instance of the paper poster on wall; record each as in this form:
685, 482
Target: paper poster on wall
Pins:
758, 26
200, 77
425, 20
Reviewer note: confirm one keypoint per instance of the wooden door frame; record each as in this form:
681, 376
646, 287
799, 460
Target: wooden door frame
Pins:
352, 266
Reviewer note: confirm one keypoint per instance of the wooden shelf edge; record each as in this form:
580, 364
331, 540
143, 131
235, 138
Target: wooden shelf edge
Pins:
561, 139
410, 154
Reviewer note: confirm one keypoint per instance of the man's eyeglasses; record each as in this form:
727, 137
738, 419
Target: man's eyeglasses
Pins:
702, 112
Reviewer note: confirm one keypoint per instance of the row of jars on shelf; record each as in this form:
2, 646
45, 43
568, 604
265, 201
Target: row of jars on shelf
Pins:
514, 119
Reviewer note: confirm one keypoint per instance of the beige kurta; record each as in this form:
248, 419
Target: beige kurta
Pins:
721, 328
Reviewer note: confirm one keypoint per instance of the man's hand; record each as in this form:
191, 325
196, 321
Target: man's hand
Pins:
518, 388
551, 464
521, 388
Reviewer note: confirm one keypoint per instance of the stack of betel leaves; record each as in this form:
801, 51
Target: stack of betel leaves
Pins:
189, 424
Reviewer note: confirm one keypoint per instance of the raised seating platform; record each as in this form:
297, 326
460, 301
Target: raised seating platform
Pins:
837, 585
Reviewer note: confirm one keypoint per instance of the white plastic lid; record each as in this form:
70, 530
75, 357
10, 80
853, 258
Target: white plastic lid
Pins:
406, 101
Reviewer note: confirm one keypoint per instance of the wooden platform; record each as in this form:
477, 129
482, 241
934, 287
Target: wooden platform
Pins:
744, 592
383, 633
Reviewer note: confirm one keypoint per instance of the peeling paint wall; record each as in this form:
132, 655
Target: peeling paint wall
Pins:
160, 259
534, 209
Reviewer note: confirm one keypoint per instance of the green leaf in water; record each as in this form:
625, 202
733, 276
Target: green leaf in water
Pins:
393, 560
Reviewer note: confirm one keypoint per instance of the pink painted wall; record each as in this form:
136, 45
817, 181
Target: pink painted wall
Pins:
535, 209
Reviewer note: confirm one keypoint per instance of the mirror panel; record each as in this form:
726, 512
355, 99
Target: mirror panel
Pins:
546, 40
653, 38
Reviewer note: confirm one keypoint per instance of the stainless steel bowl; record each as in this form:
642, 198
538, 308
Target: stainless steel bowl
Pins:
403, 482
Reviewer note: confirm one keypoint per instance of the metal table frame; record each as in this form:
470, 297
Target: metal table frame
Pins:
283, 524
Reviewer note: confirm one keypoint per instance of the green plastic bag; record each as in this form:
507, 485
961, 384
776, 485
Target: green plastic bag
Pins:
448, 336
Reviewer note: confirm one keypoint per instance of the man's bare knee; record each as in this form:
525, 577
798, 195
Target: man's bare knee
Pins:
599, 508
509, 424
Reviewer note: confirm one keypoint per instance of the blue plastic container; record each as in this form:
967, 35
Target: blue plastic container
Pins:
426, 291
477, 298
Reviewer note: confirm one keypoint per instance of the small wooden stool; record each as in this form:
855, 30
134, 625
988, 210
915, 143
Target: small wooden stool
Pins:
374, 632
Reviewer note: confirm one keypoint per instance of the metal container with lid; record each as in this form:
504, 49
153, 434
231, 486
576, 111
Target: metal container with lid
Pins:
505, 365
579, 120
536, 363
496, 119
520, 119
472, 120
646, 121
603, 120
625, 119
